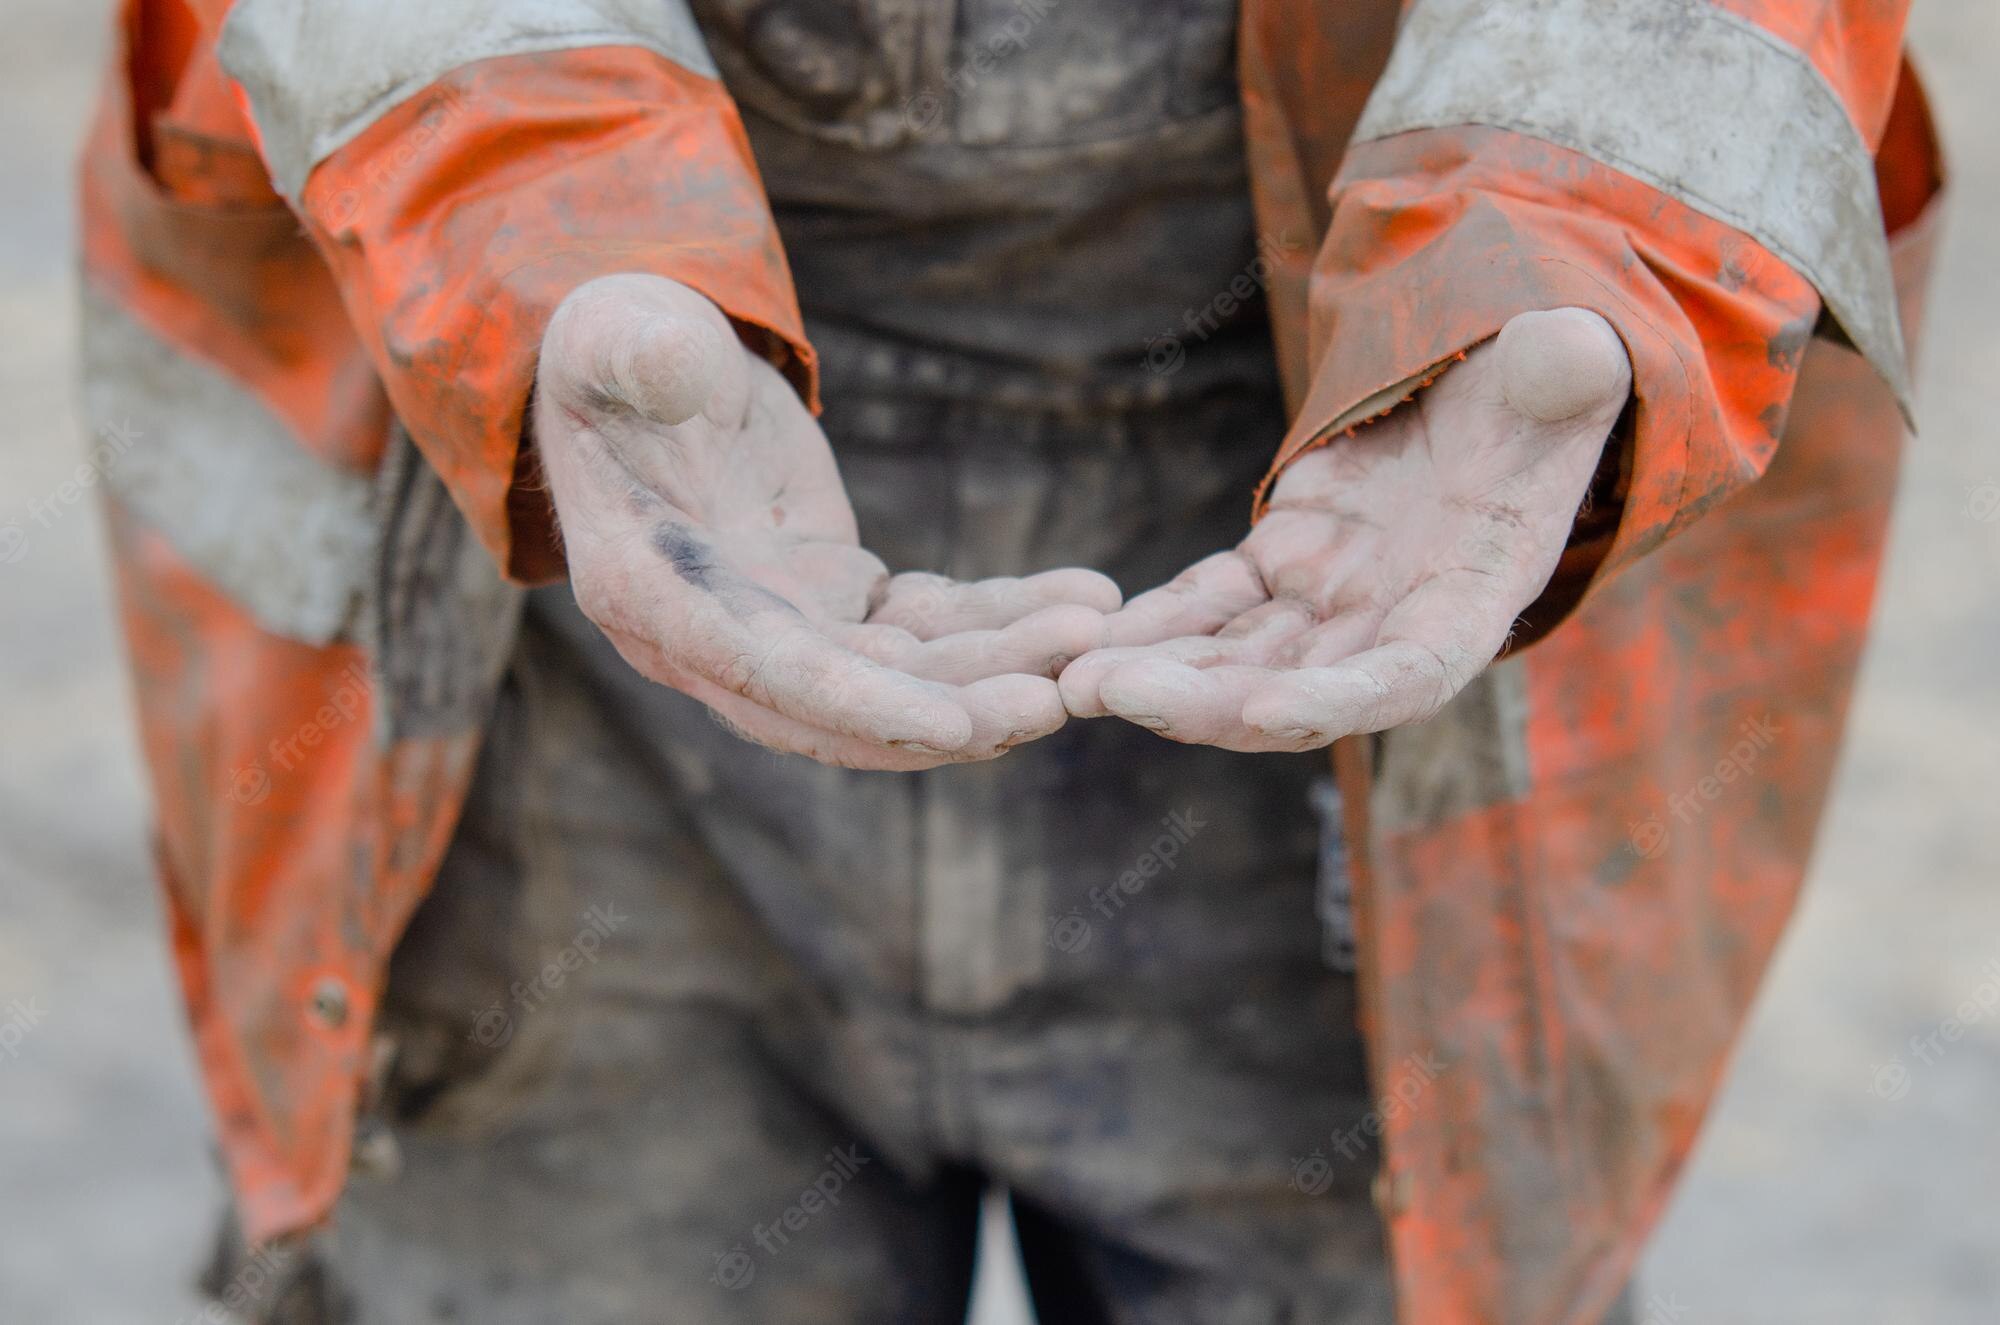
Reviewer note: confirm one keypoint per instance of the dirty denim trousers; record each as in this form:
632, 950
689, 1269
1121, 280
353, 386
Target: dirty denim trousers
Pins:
694, 1032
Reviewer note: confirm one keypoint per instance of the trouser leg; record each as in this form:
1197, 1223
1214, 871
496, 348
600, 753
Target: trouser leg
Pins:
1175, 1088
589, 1104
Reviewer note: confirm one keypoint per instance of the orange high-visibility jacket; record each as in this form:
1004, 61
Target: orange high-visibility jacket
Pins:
322, 242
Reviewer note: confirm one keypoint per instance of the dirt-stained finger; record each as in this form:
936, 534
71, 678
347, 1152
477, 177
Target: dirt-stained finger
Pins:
1388, 686
1199, 601
753, 722
932, 606
1005, 712
1037, 645
1008, 711
1197, 706
1254, 639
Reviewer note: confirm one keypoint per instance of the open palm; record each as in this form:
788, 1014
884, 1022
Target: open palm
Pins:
1391, 565
709, 536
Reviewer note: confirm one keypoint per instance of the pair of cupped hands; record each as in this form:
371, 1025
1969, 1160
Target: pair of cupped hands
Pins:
709, 537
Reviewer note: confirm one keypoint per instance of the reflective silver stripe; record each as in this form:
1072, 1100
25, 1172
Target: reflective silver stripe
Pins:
285, 535
320, 71
1693, 100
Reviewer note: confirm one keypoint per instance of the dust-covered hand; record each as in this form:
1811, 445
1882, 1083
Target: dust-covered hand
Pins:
1391, 566
708, 535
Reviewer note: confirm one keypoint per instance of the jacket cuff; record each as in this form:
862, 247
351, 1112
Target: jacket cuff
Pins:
1439, 237
458, 221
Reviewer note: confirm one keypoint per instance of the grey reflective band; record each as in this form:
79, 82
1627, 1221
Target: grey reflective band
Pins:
1687, 97
318, 72
285, 535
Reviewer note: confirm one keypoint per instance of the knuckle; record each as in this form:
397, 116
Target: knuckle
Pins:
1382, 696
740, 670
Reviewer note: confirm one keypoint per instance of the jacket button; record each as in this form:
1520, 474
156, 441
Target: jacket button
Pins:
812, 50
329, 1003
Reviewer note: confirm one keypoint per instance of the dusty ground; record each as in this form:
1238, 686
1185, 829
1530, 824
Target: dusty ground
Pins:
1847, 1178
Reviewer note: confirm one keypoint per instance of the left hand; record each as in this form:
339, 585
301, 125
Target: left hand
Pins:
1391, 565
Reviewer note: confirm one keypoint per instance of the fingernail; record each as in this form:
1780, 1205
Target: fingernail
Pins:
920, 748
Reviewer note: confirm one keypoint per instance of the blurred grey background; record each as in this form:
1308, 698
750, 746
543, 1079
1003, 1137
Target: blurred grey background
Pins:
1845, 1178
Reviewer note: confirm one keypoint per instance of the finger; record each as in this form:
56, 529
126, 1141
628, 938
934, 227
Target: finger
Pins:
931, 606
1330, 641
761, 649
624, 345
1254, 638
663, 368
1435, 641
1199, 601
1431, 646
759, 725
1214, 710
1082, 681
1563, 365
1005, 711
1008, 711
1386, 687
1197, 706
1038, 645
703, 618
793, 669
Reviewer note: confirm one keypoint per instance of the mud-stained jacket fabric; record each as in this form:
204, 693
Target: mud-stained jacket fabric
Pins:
322, 241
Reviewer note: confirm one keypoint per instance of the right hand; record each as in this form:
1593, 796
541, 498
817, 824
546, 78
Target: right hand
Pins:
710, 538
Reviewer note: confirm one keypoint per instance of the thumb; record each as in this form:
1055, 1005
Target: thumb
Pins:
1563, 365
623, 345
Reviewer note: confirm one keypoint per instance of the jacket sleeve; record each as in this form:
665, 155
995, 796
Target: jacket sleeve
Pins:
1698, 172
463, 165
